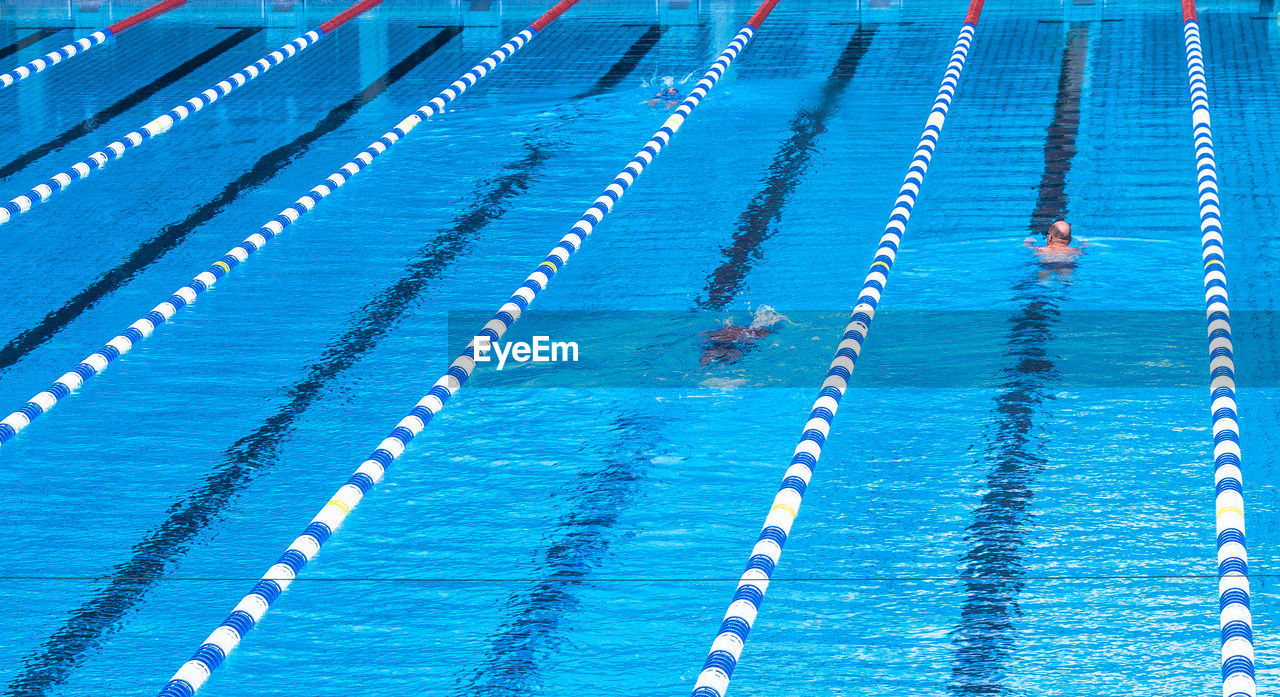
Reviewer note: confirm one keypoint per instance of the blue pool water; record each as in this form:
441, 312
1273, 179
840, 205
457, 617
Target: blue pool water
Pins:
1017, 497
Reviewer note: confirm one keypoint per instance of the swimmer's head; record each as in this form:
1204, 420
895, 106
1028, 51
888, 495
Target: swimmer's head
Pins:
671, 91
1060, 231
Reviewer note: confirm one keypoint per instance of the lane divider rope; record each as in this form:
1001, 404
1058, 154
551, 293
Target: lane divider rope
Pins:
726, 648
143, 327
81, 45
1235, 619
253, 606
161, 124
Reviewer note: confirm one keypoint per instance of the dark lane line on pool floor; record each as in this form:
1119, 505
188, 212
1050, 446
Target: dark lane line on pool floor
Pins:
258, 452
582, 537
993, 573
255, 454
757, 223
173, 234
137, 97
579, 544
40, 35
627, 64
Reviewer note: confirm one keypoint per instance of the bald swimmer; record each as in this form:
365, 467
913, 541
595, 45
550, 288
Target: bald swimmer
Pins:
1057, 245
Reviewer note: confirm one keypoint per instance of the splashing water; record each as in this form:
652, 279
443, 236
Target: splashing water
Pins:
766, 316
664, 81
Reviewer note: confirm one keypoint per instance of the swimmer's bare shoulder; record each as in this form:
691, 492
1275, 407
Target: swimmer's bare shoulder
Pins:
1058, 253
1057, 246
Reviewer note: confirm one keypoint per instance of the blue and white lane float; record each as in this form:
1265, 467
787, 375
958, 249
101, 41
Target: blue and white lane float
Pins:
1235, 620
253, 606
164, 122
143, 327
727, 647
81, 45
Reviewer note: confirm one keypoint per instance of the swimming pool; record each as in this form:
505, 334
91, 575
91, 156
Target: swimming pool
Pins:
1017, 498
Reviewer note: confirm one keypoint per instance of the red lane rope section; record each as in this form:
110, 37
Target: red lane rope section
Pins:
1189, 11
156, 9
975, 11
356, 9
761, 13
551, 14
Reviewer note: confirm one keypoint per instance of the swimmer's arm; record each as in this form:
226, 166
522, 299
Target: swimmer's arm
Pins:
1029, 243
